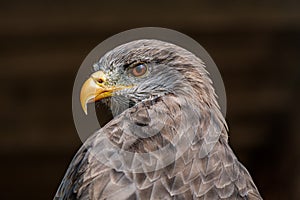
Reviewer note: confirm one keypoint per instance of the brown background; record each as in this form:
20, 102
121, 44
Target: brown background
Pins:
256, 46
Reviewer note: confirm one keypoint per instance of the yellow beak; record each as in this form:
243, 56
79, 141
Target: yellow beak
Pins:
96, 88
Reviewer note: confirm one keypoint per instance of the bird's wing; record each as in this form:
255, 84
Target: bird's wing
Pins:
206, 169
88, 178
219, 175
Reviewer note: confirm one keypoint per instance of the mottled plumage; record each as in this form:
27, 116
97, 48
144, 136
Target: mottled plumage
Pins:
174, 106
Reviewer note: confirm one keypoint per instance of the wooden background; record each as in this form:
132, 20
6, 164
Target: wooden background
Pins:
255, 44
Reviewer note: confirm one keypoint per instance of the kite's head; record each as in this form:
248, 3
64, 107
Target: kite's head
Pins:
144, 70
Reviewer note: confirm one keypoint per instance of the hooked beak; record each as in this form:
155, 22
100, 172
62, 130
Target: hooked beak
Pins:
96, 88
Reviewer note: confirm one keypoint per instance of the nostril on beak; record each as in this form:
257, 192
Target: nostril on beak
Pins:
98, 77
100, 80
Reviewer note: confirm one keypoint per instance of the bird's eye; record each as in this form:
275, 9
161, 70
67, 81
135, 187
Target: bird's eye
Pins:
139, 69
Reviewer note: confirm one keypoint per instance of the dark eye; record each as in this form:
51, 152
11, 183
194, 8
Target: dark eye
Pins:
139, 69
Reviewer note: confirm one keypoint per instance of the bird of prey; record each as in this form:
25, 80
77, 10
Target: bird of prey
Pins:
167, 139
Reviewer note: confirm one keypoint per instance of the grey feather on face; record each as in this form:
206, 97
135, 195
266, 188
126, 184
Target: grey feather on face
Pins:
171, 70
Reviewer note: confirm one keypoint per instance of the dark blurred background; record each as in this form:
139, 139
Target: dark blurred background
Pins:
255, 44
